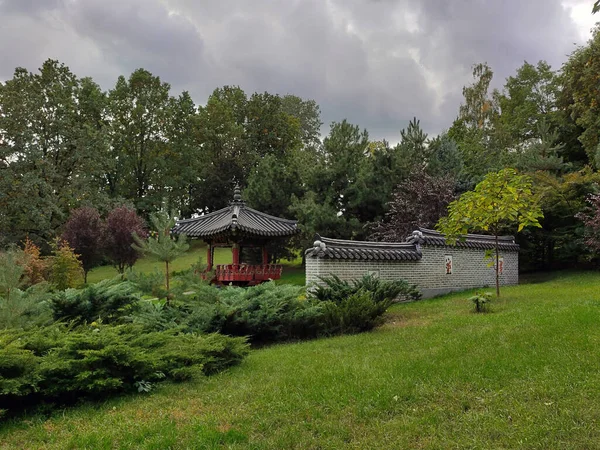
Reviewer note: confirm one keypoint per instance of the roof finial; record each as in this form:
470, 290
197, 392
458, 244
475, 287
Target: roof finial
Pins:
237, 193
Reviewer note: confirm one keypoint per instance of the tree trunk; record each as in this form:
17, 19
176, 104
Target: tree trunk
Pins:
167, 278
497, 269
85, 272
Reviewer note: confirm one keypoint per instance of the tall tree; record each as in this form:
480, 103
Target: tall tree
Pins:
52, 132
581, 95
139, 108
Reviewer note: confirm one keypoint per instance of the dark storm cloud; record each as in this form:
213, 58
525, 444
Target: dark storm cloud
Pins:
377, 63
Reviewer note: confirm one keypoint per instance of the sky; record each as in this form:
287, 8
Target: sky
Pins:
377, 63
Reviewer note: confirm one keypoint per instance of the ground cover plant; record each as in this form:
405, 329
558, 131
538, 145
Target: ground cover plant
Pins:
435, 375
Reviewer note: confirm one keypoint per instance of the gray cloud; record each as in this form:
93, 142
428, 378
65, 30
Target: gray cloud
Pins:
377, 63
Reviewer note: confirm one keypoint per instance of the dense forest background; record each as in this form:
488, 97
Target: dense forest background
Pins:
66, 143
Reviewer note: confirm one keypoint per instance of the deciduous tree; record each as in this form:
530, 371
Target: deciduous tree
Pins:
503, 199
121, 224
85, 232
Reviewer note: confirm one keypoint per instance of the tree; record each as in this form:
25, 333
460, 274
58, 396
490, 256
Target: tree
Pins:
84, 231
35, 268
161, 244
581, 95
139, 111
11, 273
308, 114
590, 217
418, 201
65, 267
121, 224
503, 199
53, 144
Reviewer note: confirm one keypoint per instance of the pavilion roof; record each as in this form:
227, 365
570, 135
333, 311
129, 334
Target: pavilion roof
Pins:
237, 217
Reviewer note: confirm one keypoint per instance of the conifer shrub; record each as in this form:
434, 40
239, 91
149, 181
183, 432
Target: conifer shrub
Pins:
106, 301
336, 290
63, 364
66, 270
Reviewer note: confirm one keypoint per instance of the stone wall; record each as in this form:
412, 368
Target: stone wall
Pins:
470, 269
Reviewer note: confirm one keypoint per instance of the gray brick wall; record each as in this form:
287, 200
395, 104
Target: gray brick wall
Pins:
470, 270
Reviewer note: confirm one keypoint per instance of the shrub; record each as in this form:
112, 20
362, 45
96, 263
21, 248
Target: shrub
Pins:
107, 301
265, 313
35, 268
356, 313
57, 363
149, 283
336, 290
65, 267
26, 309
481, 301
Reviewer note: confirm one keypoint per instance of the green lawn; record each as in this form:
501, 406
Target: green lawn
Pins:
292, 272
435, 376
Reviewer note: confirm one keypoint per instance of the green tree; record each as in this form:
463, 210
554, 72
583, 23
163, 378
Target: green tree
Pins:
52, 130
66, 270
580, 93
503, 199
11, 273
139, 108
161, 243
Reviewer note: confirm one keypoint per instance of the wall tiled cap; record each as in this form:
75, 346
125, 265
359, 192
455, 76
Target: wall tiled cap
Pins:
324, 247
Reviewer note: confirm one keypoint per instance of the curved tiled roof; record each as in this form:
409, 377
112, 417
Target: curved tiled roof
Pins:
363, 250
424, 236
401, 251
236, 217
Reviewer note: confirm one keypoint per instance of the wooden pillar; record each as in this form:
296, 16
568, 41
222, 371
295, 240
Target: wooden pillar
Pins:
209, 257
235, 252
265, 256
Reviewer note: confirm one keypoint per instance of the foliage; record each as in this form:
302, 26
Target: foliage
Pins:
63, 364
481, 300
419, 201
65, 267
54, 145
335, 290
106, 301
35, 268
580, 93
11, 273
590, 216
501, 200
151, 283
121, 224
26, 308
270, 312
84, 231
161, 244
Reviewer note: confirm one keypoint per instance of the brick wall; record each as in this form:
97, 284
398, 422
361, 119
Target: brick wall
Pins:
470, 269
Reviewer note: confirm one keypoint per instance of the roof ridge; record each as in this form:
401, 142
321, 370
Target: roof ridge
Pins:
204, 216
487, 237
281, 219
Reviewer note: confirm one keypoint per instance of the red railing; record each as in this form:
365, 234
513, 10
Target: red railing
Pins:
251, 274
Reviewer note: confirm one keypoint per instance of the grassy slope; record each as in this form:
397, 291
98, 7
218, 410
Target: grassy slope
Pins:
292, 273
434, 376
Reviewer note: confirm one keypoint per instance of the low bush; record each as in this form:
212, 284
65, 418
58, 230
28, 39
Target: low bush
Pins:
481, 300
108, 301
336, 290
26, 308
63, 364
267, 313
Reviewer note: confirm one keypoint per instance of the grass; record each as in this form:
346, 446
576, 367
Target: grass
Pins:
293, 273
435, 376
